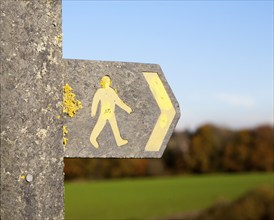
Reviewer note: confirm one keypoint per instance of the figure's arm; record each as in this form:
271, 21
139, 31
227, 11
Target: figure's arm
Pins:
122, 105
95, 103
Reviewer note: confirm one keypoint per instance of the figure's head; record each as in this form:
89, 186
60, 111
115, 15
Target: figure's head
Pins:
105, 81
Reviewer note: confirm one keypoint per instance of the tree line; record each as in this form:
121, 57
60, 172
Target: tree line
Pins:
209, 149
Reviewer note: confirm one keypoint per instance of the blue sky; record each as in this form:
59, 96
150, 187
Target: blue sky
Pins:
216, 55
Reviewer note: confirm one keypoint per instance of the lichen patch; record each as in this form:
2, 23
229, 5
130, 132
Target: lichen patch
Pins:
70, 104
65, 131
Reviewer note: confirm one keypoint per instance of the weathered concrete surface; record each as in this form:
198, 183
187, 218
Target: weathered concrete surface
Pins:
31, 94
131, 86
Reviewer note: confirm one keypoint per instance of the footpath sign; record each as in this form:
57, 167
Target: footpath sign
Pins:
53, 108
126, 110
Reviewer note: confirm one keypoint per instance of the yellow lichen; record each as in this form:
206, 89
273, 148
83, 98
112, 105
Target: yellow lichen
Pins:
70, 104
22, 178
65, 140
58, 40
65, 131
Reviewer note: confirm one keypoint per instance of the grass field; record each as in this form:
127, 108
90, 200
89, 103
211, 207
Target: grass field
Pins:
154, 197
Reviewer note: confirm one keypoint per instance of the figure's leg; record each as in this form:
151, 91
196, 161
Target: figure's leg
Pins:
113, 123
96, 131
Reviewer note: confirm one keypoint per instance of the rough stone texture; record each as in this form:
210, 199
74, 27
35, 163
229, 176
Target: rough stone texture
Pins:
127, 78
31, 94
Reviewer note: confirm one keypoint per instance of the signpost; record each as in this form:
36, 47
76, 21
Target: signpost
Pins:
127, 110
104, 109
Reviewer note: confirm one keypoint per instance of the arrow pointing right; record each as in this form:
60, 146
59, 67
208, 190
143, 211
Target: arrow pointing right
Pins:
167, 111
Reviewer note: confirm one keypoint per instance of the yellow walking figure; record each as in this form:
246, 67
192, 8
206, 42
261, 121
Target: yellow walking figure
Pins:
109, 99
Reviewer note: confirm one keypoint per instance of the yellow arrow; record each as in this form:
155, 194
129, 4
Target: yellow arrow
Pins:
167, 111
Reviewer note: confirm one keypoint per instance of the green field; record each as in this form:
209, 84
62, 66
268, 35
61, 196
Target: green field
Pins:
155, 197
